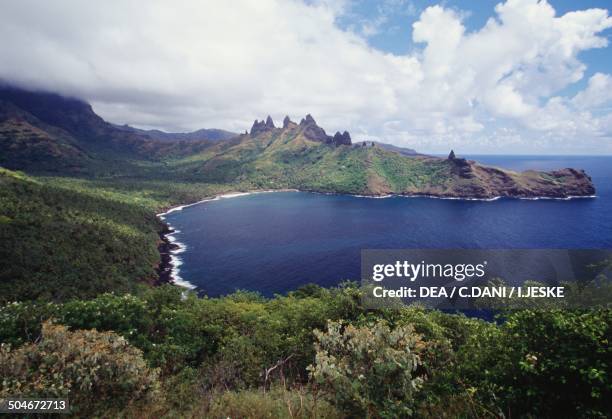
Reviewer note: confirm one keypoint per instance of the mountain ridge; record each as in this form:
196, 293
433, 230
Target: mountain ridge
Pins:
50, 133
304, 154
211, 134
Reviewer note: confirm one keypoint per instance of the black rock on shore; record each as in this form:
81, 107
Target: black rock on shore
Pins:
165, 248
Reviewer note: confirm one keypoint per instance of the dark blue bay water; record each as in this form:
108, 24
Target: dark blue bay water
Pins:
275, 242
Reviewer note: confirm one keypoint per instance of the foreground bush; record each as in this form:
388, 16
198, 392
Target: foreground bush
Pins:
97, 372
174, 333
368, 371
531, 363
546, 363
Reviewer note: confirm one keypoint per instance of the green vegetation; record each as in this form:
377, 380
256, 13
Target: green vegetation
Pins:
24, 145
97, 372
287, 159
369, 370
62, 238
545, 362
411, 174
314, 350
59, 243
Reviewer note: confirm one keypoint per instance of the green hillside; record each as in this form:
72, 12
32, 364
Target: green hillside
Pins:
291, 157
62, 238
60, 243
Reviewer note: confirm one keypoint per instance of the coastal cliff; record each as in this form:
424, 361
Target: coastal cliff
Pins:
469, 179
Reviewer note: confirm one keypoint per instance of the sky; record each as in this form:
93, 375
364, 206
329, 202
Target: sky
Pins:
509, 77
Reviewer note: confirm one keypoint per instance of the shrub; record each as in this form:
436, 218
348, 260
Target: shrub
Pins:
368, 371
544, 363
96, 372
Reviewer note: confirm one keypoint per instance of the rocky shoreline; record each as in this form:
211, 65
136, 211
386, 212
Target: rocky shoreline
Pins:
165, 247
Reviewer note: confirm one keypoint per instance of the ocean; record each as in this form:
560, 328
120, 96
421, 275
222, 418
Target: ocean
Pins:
276, 242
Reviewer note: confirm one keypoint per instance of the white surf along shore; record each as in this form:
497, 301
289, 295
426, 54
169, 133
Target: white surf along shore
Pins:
176, 261
179, 247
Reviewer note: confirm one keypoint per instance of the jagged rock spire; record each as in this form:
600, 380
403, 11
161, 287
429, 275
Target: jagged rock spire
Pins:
286, 121
308, 126
347, 138
451, 155
269, 122
342, 139
257, 127
312, 131
308, 120
262, 126
315, 133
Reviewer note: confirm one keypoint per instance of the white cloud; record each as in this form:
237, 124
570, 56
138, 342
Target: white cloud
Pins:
222, 64
597, 93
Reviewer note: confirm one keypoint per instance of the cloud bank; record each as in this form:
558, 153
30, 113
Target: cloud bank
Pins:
197, 64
